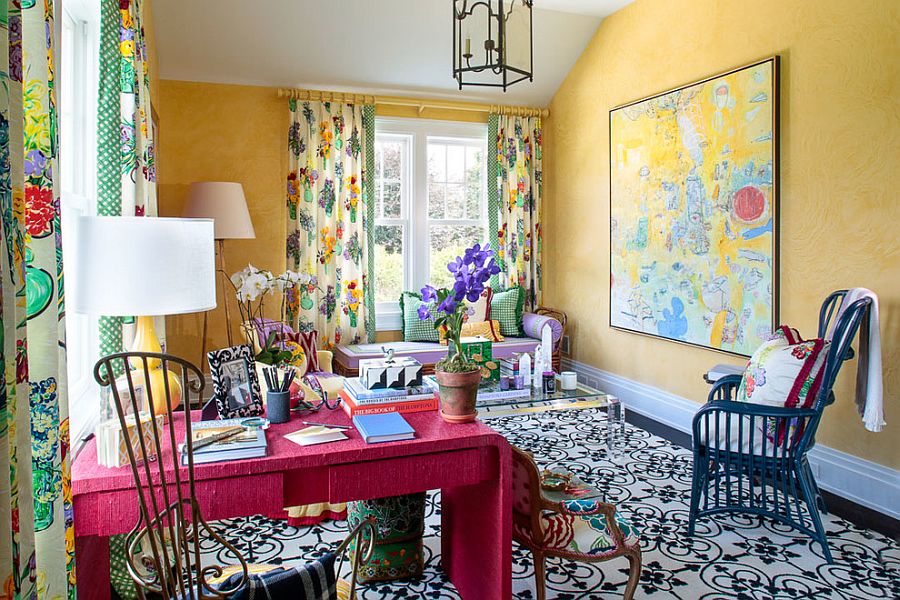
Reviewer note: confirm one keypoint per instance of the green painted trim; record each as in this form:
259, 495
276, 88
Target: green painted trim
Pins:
493, 199
369, 225
109, 183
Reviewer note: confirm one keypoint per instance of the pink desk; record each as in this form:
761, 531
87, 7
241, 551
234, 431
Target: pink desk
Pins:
470, 463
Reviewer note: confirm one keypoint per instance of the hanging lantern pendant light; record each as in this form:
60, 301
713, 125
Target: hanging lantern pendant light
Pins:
503, 28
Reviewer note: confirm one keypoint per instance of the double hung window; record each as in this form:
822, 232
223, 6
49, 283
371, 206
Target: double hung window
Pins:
430, 204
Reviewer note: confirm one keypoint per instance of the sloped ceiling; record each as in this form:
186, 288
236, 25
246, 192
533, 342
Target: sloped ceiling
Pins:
387, 46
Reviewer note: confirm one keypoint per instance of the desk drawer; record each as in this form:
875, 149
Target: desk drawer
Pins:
408, 474
117, 512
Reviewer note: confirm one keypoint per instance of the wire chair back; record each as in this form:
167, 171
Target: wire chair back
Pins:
163, 554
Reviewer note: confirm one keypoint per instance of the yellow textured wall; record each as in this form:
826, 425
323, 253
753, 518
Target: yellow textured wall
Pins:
214, 132
840, 150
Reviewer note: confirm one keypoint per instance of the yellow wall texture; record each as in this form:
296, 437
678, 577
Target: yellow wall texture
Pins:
840, 147
214, 132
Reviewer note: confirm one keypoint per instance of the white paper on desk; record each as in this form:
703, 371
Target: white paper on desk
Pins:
309, 436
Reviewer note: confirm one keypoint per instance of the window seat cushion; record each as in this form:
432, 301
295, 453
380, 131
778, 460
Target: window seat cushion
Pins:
427, 353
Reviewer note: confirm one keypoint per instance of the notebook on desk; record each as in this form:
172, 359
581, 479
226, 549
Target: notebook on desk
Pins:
384, 427
248, 443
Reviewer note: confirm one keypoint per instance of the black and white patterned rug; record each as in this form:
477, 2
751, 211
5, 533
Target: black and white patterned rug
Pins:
730, 557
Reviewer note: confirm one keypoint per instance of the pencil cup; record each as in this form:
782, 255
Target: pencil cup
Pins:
278, 407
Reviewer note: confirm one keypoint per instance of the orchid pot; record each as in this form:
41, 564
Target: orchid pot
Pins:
458, 377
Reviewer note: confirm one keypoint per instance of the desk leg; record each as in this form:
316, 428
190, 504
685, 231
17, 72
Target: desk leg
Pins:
476, 535
92, 564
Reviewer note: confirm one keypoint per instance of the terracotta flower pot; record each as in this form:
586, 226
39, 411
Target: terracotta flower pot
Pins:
457, 392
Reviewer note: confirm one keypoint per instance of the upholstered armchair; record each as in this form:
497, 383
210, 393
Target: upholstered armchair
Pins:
583, 530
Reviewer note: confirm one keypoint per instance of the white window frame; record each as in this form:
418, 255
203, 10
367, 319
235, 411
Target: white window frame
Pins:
78, 197
414, 199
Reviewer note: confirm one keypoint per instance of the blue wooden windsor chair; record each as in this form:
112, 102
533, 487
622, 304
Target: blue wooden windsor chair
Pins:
726, 471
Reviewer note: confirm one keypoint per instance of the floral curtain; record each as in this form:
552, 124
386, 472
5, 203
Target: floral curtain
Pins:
327, 201
126, 165
518, 196
37, 557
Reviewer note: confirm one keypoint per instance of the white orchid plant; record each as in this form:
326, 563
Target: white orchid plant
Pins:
251, 286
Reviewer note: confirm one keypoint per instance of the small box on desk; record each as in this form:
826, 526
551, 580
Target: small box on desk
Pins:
111, 448
381, 373
480, 351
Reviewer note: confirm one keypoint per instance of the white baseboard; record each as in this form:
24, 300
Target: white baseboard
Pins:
861, 481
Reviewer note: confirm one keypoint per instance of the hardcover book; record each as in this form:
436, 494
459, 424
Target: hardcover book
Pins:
386, 427
353, 409
362, 395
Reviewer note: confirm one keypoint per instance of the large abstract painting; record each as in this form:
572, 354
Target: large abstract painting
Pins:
693, 211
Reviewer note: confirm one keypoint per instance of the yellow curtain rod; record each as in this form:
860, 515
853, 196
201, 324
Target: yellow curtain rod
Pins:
421, 105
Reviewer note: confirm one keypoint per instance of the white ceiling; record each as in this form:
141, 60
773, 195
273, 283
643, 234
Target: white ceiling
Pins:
385, 46
596, 8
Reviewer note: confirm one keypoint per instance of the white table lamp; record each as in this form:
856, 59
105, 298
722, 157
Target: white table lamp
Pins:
142, 266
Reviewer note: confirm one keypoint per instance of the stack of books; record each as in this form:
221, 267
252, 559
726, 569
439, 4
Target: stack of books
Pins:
359, 400
224, 439
509, 367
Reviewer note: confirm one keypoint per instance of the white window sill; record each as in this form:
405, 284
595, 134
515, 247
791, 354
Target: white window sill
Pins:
388, 320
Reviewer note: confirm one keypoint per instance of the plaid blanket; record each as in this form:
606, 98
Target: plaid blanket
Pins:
312, 581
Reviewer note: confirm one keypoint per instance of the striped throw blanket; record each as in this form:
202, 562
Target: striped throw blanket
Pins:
312, 581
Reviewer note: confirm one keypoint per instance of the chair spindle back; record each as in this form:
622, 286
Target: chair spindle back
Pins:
163, 550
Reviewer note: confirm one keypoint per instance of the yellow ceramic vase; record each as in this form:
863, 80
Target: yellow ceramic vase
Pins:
145, 340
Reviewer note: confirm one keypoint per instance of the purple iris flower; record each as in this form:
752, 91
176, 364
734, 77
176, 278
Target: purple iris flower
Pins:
471, 272
424, 315
429, 294
455, 265
448, 305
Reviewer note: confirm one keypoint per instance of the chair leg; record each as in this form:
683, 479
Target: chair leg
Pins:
634, 573
820, 502
806, 489
539, 575
698, 486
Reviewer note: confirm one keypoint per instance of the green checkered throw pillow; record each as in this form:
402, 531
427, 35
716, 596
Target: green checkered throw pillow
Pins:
414, 329
507, 307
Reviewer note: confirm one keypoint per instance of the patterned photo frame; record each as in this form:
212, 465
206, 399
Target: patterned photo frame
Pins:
235, 383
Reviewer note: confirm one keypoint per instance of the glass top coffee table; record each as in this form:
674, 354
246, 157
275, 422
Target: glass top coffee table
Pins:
579, 398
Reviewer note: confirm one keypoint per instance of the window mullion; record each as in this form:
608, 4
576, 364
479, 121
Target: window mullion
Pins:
419, 229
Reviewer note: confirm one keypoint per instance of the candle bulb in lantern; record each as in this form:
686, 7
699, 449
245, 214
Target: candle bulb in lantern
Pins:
468, 46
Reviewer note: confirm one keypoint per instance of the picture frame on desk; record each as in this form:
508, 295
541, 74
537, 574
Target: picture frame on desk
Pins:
235, 384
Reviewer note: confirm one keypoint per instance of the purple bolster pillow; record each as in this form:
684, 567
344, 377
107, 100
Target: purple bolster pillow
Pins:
533, 324
264, 328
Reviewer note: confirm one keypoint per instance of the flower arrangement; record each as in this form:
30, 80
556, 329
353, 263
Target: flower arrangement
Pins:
251, 286
471, 272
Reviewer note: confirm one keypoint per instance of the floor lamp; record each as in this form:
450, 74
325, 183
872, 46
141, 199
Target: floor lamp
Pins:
225, 204
140, 266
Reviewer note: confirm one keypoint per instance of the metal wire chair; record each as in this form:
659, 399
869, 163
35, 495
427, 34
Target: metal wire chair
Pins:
728, 467
163, 554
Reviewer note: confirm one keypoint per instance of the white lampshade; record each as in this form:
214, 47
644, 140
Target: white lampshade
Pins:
224, 203
141, 266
